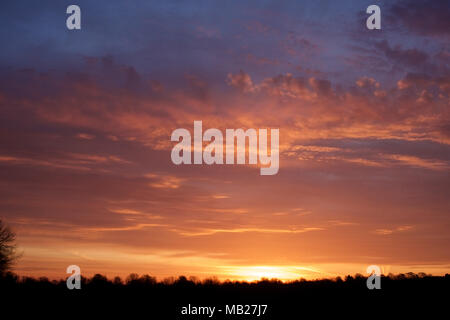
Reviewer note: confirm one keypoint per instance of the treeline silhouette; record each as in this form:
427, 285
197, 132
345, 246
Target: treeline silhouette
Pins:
136, 281
401, 293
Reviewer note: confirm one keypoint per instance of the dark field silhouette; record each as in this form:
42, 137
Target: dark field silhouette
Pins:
401, 294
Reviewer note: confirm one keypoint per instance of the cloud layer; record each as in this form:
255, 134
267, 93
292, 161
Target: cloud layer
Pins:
85, 122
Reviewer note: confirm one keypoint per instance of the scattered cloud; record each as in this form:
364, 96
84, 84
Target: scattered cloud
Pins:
384, 232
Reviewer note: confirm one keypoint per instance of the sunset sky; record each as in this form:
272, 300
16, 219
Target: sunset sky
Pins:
86, 116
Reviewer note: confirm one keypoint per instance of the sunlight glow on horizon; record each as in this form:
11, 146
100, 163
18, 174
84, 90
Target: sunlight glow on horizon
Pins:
255, 273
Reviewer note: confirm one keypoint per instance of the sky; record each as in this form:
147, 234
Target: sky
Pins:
86, 116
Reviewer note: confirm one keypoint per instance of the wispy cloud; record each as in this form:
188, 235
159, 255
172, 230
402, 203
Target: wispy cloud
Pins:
384, 232
207, 232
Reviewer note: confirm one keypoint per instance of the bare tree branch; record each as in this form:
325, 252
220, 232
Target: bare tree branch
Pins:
7, 248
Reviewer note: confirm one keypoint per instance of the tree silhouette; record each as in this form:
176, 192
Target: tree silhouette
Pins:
7, 248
